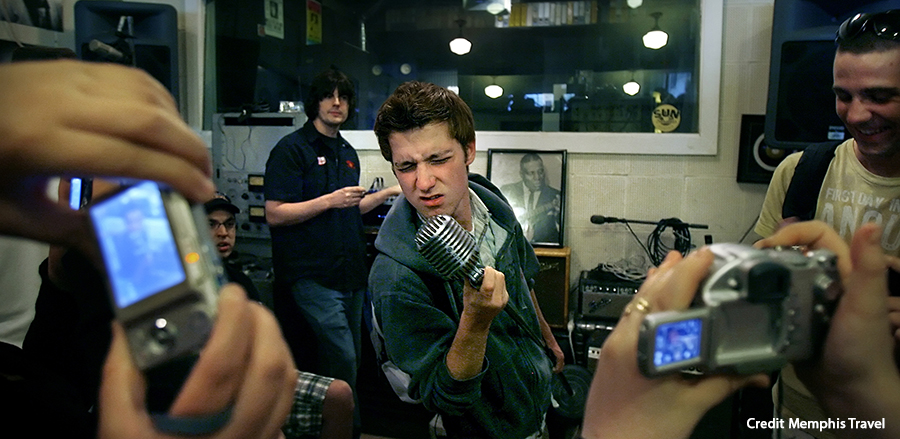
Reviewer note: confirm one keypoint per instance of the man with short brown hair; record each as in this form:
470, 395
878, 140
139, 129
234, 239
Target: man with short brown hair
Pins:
468, 358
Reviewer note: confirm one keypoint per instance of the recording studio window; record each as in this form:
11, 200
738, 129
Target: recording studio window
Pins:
531, 66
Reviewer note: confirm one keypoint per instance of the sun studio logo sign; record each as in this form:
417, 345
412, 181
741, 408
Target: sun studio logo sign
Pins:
666, 118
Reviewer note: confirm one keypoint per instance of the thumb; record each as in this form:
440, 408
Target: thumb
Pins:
489, 279
865, 288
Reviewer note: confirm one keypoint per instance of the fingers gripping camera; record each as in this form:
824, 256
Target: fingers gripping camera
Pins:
756, 311
162, 270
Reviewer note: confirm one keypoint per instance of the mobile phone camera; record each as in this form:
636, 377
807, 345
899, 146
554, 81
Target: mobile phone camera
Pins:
163, 272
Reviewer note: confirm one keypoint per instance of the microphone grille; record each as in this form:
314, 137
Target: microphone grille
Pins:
449, 248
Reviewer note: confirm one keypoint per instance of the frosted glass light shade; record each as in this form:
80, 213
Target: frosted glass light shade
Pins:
493, 91
460, 46
631, 88
655, 39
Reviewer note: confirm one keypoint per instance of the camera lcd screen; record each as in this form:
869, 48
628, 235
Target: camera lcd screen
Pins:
137, 244
75, 193
677, 342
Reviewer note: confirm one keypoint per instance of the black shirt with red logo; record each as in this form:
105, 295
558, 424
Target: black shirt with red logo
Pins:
329, 248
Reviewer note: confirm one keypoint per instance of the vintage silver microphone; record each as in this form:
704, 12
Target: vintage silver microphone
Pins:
453, 253
449, 249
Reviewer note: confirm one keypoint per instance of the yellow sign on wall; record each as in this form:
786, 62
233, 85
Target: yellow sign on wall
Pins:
313, 22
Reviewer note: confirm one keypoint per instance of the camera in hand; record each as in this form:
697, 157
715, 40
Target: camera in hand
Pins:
162, 270
756, 311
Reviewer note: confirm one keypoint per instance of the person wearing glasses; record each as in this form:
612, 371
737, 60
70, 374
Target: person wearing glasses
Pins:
862, 182
323, 406
223, 227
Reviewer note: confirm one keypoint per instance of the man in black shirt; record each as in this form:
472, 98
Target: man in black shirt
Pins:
314, 207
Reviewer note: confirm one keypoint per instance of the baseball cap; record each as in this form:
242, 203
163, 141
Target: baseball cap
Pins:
220, 202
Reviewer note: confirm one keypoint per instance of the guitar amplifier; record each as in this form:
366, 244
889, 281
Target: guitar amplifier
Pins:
604, 295
588, 336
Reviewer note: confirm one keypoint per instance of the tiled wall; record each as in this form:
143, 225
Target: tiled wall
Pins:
695, 189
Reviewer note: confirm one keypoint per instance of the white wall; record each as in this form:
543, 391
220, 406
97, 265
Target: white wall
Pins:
696, 189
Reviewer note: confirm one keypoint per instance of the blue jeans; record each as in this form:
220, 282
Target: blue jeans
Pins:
335, 317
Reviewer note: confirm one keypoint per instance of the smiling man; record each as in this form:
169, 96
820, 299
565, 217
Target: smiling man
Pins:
862, 183
862, 180
468, 358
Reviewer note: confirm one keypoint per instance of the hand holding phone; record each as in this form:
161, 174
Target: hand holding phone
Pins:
163, 273
245, 366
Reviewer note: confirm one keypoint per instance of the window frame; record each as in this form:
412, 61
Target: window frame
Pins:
704, 142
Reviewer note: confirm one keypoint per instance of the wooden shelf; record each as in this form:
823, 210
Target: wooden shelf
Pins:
559, 252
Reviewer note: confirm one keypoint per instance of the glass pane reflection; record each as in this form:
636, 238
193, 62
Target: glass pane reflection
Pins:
555, 76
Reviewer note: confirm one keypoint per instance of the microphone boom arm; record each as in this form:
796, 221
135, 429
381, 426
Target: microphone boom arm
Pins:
600, 219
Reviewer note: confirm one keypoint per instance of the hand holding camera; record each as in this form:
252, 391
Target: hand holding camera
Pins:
855, 375
756, 311
245, 366
621, 399
164, 278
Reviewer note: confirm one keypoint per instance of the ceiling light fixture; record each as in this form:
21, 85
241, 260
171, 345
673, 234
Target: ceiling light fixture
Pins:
634, 4
493, 91
656, 38
460, 45
631, 87
497, 6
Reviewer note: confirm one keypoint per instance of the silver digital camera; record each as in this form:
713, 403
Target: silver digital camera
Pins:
756, 311
162, 271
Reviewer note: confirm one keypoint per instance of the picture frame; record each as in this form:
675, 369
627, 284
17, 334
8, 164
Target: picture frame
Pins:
525, 175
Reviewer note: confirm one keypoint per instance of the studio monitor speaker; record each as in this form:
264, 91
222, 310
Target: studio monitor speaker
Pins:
552, 284
757, 160
149, 43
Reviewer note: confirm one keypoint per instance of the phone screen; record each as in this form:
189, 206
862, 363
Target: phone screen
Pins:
677, 342
137, 244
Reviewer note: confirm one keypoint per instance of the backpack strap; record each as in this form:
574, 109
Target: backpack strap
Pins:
802, 194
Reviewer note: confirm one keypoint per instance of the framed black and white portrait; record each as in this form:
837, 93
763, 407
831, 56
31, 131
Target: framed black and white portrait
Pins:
534, 183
